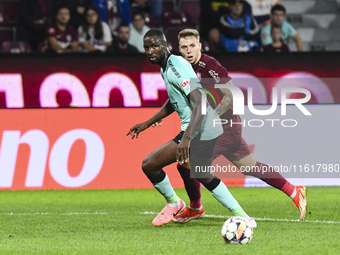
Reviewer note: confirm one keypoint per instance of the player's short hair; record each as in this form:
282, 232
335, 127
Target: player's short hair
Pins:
156, 32
275, 27
189, 32
278, 7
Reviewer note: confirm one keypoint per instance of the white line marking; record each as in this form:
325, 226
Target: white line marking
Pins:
262, 219
154, 213
55, 213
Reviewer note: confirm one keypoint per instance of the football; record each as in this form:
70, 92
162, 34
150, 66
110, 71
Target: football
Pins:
237, 230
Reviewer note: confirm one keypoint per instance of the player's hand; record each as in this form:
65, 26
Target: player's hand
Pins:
157, 123
136, 129
182, 155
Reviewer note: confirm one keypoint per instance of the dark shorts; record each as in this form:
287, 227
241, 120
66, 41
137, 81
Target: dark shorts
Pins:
198, 148
231, 144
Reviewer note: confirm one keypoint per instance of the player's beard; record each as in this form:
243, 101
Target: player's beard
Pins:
160, 59
123, 42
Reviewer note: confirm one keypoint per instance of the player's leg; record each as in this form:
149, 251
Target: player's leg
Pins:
235, 149
152, 167
192, 186
201, 157
275, 179
263, 172
193, 189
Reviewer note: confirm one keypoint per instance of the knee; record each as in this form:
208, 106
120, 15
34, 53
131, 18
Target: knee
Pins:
148, 166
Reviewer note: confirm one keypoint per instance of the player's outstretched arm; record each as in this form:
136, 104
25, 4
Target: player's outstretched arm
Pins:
195, 121
227, 100
165, 111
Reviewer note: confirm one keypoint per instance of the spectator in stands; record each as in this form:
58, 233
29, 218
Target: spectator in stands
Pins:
278, 13
277, 45
94, 34
77, 9
118, 11
121, 44
113, 12
155, 7
261, 10
211, 11
138, 30
61, 36
33, 18
239, 32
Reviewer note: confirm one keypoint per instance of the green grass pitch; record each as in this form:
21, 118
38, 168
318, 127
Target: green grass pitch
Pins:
111, 222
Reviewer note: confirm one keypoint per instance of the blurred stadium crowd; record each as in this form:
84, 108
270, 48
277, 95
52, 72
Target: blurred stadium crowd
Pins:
63, 26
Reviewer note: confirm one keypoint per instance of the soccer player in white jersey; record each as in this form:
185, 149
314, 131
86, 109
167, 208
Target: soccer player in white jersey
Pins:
197, 139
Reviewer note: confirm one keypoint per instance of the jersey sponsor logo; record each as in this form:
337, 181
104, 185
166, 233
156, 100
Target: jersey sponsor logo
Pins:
265, 35
63, 45
174, 69
185, 83
174, 105
215, 76
201, 64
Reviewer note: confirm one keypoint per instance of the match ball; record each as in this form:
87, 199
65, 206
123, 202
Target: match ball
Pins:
237, 230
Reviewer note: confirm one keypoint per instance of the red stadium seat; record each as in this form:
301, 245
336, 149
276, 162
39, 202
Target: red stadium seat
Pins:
168, 6
4, 19
10, 7
172, 37
207, 47
5, 35
191, 9
150, 20
176, 20
16, 47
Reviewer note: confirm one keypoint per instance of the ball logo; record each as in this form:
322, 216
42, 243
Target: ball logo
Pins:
185, 84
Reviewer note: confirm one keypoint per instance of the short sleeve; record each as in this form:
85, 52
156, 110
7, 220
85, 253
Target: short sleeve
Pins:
265, 35
81, 35
217, 72
290, 30
184, 76
107, 33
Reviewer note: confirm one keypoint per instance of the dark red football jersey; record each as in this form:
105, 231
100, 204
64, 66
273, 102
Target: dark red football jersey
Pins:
213, 72
64, 38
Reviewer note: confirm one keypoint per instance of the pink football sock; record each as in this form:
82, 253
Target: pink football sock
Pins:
272, 178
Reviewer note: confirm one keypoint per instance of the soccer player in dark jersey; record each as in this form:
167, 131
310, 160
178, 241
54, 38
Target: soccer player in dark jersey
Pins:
199, 133
230, 144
